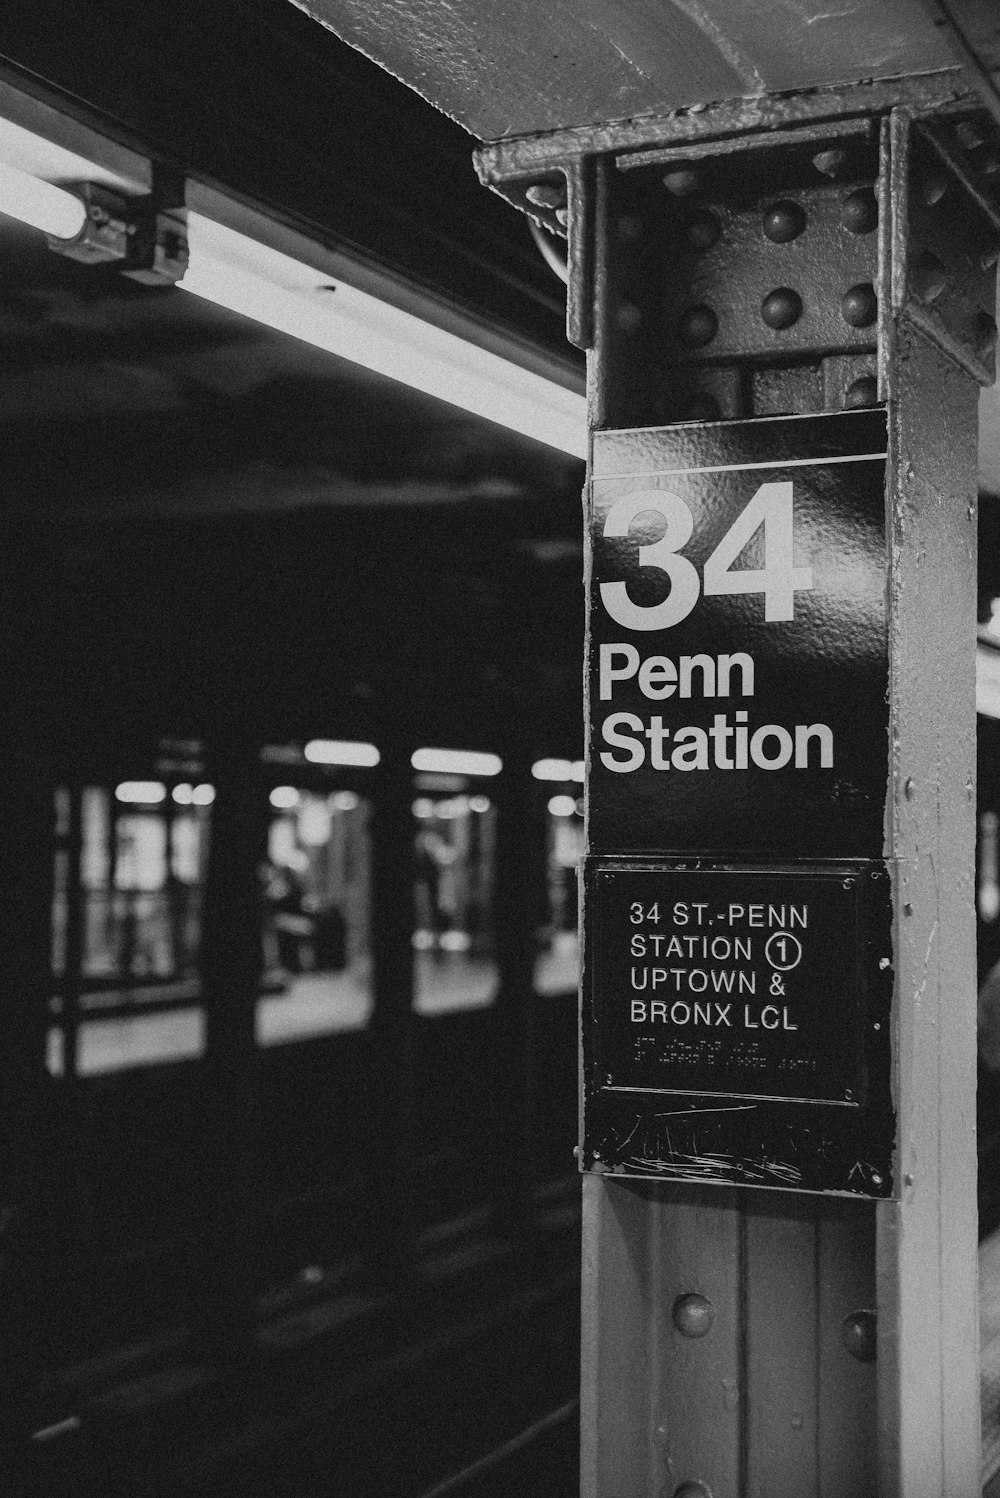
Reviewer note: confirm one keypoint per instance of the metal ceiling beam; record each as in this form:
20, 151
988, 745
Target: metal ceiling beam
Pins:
520, 70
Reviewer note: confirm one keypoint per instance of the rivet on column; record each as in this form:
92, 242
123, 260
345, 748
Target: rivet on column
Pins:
693, 1315
859, 211
546, 194
930, 276
858, 1335
830, 163
683, 182
861, 393
969, 136
781, 308
784, 221
698, 326
858, 305
933, 187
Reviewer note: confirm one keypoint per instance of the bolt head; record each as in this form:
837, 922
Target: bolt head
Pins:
781, 308
693, 1315
831, 163
969, 136
784, 221
858, 1335
546, 194
683, 183
861, 393
698, 326
859, 211
933, 187
859, 305
930, 276
693, 1490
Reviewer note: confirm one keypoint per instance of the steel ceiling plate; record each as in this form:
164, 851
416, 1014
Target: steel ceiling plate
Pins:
519, 68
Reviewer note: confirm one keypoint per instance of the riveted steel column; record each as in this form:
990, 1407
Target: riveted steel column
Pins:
738, 1341
941, 240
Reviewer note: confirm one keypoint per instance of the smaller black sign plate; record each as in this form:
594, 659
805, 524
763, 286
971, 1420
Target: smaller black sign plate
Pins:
741, 982
747, 1006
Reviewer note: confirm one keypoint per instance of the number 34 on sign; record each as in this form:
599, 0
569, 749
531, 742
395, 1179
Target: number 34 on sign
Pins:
778, 580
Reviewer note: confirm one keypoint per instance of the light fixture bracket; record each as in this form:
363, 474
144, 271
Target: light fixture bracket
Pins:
108, 224
143, 235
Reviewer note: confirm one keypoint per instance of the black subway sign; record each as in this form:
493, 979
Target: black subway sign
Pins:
737, 645
738, 978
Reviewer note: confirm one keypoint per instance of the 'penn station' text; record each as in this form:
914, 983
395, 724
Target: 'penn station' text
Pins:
725, 745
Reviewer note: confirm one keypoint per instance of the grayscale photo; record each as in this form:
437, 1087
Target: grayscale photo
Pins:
499, 749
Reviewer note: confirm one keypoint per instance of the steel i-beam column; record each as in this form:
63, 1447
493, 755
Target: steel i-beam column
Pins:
787, 329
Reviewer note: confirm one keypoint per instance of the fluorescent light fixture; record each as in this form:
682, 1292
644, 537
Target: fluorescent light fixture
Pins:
232, 270
40, 204
456, 762
237, 271
562, 806
141, 792
284, 797
987, 682
341, 752
558, 769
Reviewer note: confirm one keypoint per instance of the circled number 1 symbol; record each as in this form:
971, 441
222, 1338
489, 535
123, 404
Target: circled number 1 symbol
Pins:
783, 951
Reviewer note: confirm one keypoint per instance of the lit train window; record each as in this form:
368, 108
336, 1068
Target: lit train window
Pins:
317, 967
130, 987
454, 966
557, 969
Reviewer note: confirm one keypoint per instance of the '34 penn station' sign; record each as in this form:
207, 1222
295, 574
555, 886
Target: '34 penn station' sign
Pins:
737, 983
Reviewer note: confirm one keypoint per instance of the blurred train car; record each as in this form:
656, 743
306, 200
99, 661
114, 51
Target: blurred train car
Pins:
290, 779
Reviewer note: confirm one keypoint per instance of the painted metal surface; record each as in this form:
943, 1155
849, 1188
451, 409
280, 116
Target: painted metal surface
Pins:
519, 69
